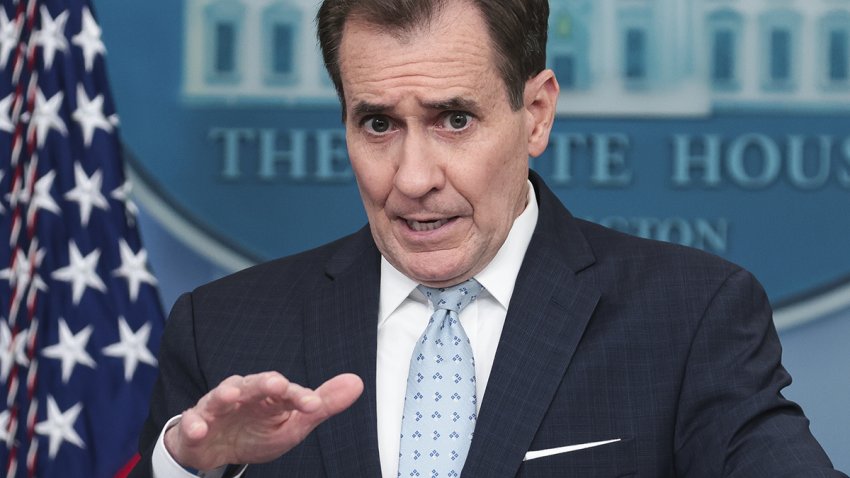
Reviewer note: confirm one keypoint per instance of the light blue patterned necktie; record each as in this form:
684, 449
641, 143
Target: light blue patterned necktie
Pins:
439, 407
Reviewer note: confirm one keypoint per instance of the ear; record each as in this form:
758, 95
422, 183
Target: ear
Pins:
540, 102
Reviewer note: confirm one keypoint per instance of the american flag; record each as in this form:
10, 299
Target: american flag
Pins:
80, 318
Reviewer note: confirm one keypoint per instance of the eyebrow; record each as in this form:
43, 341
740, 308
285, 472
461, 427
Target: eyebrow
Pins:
365, 108
456, 103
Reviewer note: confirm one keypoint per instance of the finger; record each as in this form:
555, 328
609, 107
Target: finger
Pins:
263, 386
332, 397
301, 398
193, 427
336, 395
275, 393
340, 392
236, 391
271, 391
222, 399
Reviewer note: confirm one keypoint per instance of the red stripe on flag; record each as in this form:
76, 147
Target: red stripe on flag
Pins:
124, 472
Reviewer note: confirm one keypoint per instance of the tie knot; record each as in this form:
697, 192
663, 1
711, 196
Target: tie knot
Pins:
453, 298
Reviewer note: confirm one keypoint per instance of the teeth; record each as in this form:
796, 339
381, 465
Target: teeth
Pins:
426, 226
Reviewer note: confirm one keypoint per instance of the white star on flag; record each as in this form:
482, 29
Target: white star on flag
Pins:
21, 190
5, 114
2, 207
80, 272
51, 37
42, 198
134, 269
89, 39
7, 351
19, 347
133, 347
59, 427
87, 192
18, 273
46, 116
89, 114
9, 32
22, 273
23, 270
5, 436
71, 349
16, 195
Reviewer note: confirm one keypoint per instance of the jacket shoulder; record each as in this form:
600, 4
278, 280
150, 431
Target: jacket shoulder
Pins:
623, 251
298, 271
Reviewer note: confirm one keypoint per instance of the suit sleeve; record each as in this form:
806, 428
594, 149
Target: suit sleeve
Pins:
733, 420
180, 383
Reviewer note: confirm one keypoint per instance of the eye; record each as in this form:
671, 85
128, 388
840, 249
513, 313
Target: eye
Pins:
377, 124
456, 120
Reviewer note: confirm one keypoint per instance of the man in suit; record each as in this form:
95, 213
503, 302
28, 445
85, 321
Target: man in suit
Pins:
596, 354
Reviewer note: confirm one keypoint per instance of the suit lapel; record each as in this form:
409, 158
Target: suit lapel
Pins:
550, 308
340, 335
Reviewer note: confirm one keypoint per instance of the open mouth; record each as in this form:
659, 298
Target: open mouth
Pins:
425, 226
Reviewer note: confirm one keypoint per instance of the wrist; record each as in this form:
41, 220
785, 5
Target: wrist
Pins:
171, 439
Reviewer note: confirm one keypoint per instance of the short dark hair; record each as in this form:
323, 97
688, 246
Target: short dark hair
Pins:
517, 28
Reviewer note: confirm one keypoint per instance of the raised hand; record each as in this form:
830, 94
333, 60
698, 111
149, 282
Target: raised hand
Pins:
255, 419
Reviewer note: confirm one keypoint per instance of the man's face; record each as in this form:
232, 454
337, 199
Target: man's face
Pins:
440, 158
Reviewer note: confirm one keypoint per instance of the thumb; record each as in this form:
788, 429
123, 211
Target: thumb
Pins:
334, 396
340, 392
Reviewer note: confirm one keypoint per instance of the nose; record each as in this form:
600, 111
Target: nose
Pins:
420, 170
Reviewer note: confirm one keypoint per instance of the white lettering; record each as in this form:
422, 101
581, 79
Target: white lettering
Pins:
691, 153
562, 163
270, 155
707, 234
232, 139
844, 174
797, 162
763, 154
609, 160
332, 156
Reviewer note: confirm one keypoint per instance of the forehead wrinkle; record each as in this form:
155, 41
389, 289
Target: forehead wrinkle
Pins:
420, 65
453, 81
429, 60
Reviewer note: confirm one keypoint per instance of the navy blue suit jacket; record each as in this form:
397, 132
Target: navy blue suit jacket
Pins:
671, 350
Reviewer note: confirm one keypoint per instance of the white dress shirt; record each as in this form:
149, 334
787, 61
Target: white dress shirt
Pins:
403, 314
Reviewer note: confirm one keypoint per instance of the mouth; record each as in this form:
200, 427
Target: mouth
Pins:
425, 226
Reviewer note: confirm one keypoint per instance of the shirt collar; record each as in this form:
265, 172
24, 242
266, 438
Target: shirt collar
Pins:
498, 277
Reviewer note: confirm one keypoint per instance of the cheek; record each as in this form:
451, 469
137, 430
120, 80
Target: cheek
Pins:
499, 192
488, 191
374, 182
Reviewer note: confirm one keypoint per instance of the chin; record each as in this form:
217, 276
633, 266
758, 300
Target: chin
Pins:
438, 275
